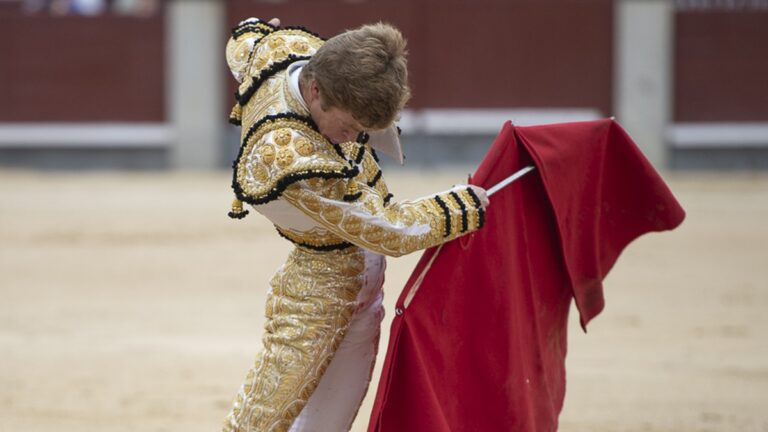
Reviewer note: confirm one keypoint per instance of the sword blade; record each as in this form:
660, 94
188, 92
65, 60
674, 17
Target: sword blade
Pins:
507, 181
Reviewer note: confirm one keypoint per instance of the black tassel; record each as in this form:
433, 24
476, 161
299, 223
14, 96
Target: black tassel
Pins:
237, 210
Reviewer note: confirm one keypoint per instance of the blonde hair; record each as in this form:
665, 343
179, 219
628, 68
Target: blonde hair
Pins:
363, 71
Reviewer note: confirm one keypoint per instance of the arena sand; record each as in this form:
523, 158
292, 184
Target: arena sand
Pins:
130, 302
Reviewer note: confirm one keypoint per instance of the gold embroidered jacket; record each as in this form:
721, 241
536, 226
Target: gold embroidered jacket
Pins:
337, 188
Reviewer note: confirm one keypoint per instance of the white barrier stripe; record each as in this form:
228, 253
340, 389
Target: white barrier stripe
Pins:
152, 135
718, 135
85, 135
486, 121
437, 121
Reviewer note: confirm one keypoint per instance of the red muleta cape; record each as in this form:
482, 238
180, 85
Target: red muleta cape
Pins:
481, 347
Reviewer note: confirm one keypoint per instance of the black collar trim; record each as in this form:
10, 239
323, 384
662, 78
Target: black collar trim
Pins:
243, 98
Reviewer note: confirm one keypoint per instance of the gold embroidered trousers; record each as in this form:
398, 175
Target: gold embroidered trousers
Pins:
319, 304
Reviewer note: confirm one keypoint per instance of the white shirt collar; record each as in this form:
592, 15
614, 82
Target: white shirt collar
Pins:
294, 71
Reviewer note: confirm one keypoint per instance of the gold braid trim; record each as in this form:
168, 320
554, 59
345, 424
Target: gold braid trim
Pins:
251, 27
315, 239
281, 151
279, 45
273, 53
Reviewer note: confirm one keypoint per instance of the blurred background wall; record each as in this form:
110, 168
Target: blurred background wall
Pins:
143, 84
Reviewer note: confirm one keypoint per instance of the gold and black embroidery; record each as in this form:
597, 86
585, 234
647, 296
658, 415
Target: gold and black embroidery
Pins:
273, 53
395, 230
254, 26
340, 186
375, 179
360, 154
446, 215
387, 199
313, 240
252, 84
278, 151
480, 210
353, 196
460, 203
257, 51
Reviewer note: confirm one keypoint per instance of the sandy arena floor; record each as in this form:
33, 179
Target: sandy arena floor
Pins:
130, 302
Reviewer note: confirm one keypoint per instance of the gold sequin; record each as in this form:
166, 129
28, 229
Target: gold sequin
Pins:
314, 183
370, 168
267, 154
300, 46
260, 173
391, 240
242, 53
261, 61
332, 214
283, 137
336, 190
353, 226
409, 244
303, 146
284, 157
372, 204
312, 203
275, 41
407, 216
373, 233
280, 53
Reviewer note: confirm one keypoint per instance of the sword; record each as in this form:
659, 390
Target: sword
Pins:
507, 181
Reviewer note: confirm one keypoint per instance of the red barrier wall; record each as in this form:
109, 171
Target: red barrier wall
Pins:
463, 54
721, 66
480, 53
75, 69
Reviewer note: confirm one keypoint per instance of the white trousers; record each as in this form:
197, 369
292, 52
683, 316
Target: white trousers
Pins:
334, 404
